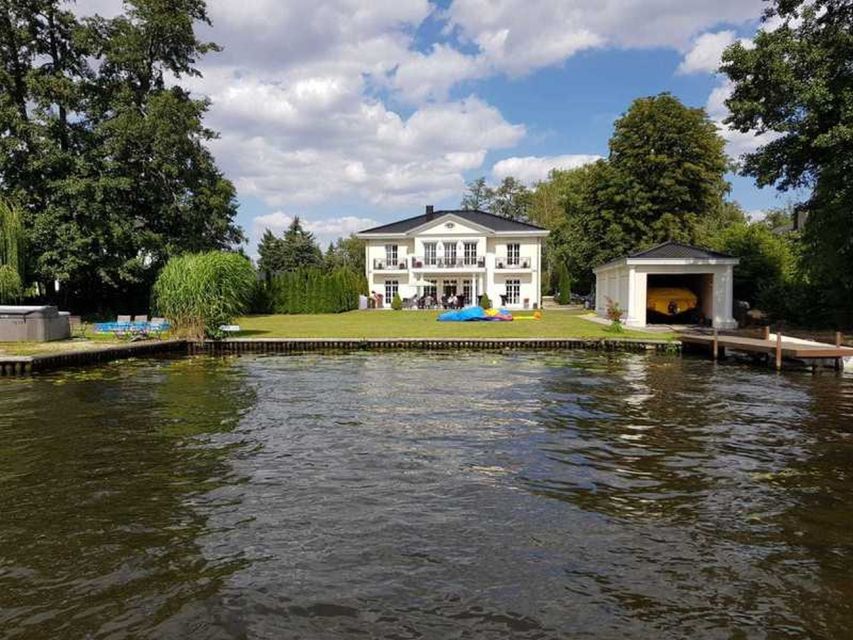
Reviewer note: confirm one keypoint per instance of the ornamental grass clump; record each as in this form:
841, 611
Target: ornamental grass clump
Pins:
200, 292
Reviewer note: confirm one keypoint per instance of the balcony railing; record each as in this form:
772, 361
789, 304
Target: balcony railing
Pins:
471, 262
382, 264
503, 262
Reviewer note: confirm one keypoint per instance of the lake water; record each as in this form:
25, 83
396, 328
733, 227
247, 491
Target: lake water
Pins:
542, 495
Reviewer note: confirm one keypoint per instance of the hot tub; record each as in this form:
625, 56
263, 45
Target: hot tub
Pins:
33, 324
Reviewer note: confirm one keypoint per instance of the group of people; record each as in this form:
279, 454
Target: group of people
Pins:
448, 301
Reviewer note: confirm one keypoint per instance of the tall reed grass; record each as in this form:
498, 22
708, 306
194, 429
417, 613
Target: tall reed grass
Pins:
200, 292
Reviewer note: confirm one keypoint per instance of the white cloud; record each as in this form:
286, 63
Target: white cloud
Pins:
706, 53
518, 36
299, 91
531, 169
737, 142
326, 230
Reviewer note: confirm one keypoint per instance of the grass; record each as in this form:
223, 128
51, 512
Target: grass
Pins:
88, 340
371, 324
423, 324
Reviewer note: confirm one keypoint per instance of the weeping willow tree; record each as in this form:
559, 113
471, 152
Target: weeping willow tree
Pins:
11, 253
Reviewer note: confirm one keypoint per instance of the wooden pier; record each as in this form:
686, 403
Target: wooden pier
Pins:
775, 350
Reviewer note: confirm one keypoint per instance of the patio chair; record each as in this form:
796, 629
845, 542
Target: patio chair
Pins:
158, 326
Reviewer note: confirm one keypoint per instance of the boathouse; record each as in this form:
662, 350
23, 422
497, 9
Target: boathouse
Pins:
670, 271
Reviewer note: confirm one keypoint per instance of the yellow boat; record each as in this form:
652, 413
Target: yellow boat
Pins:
671, 301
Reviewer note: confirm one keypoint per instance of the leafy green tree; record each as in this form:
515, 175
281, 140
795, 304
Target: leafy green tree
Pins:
664, 180
510, 199
346, 253
673, 161
107, 157
478, 195
797, 81
766, 259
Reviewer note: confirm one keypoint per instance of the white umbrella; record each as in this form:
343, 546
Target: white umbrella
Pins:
423, 283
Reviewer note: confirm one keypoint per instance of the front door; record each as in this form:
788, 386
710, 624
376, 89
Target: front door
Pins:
450, 288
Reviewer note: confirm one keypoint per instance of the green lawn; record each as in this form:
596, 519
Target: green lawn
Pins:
423, 324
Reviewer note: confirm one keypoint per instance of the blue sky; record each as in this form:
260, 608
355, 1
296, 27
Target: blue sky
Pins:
349, 113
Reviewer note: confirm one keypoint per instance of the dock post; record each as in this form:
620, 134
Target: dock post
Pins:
837, 339
715, 346
766, 332
779, 349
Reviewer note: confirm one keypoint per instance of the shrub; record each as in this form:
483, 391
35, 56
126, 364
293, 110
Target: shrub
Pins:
485, 302
397, 302
11, 287
200, 292
313, 290
11, 253
564, 286
614, 314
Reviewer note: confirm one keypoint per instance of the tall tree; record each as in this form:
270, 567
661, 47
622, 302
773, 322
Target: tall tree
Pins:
106, 155
270, 254
510, 199
797, 81
664, 180
674, 163
299, 248
346, 253
478, 195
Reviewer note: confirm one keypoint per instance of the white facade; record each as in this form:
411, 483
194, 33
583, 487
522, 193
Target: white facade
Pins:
451, 254
626, 281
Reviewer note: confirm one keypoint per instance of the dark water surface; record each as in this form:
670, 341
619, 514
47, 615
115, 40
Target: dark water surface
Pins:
578, 495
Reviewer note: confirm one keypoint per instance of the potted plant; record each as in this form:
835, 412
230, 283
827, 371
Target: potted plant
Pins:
402, 266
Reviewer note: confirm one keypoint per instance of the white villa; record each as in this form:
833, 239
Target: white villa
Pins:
457, 252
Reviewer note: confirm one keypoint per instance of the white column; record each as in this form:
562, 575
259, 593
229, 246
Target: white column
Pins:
636, 303
723, 298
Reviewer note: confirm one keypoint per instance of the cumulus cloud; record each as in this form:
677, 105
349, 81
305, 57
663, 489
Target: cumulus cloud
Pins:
307, 94
326, 230
519, 36
707, 52
532, 169
737, 143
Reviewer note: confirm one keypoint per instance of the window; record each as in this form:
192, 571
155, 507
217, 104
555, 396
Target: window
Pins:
513, 291
513, 253
391, 289
391, 255
470, 253
431, 289
429, 253
466, 291
450, 288
450, 254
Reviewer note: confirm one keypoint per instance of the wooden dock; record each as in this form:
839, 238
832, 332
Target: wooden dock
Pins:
776, 350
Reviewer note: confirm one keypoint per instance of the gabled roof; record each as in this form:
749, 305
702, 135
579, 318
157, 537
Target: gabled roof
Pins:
490, 221
671, 249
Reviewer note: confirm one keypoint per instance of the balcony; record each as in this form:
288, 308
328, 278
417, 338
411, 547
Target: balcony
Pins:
504, 263
382, 264
459, 264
